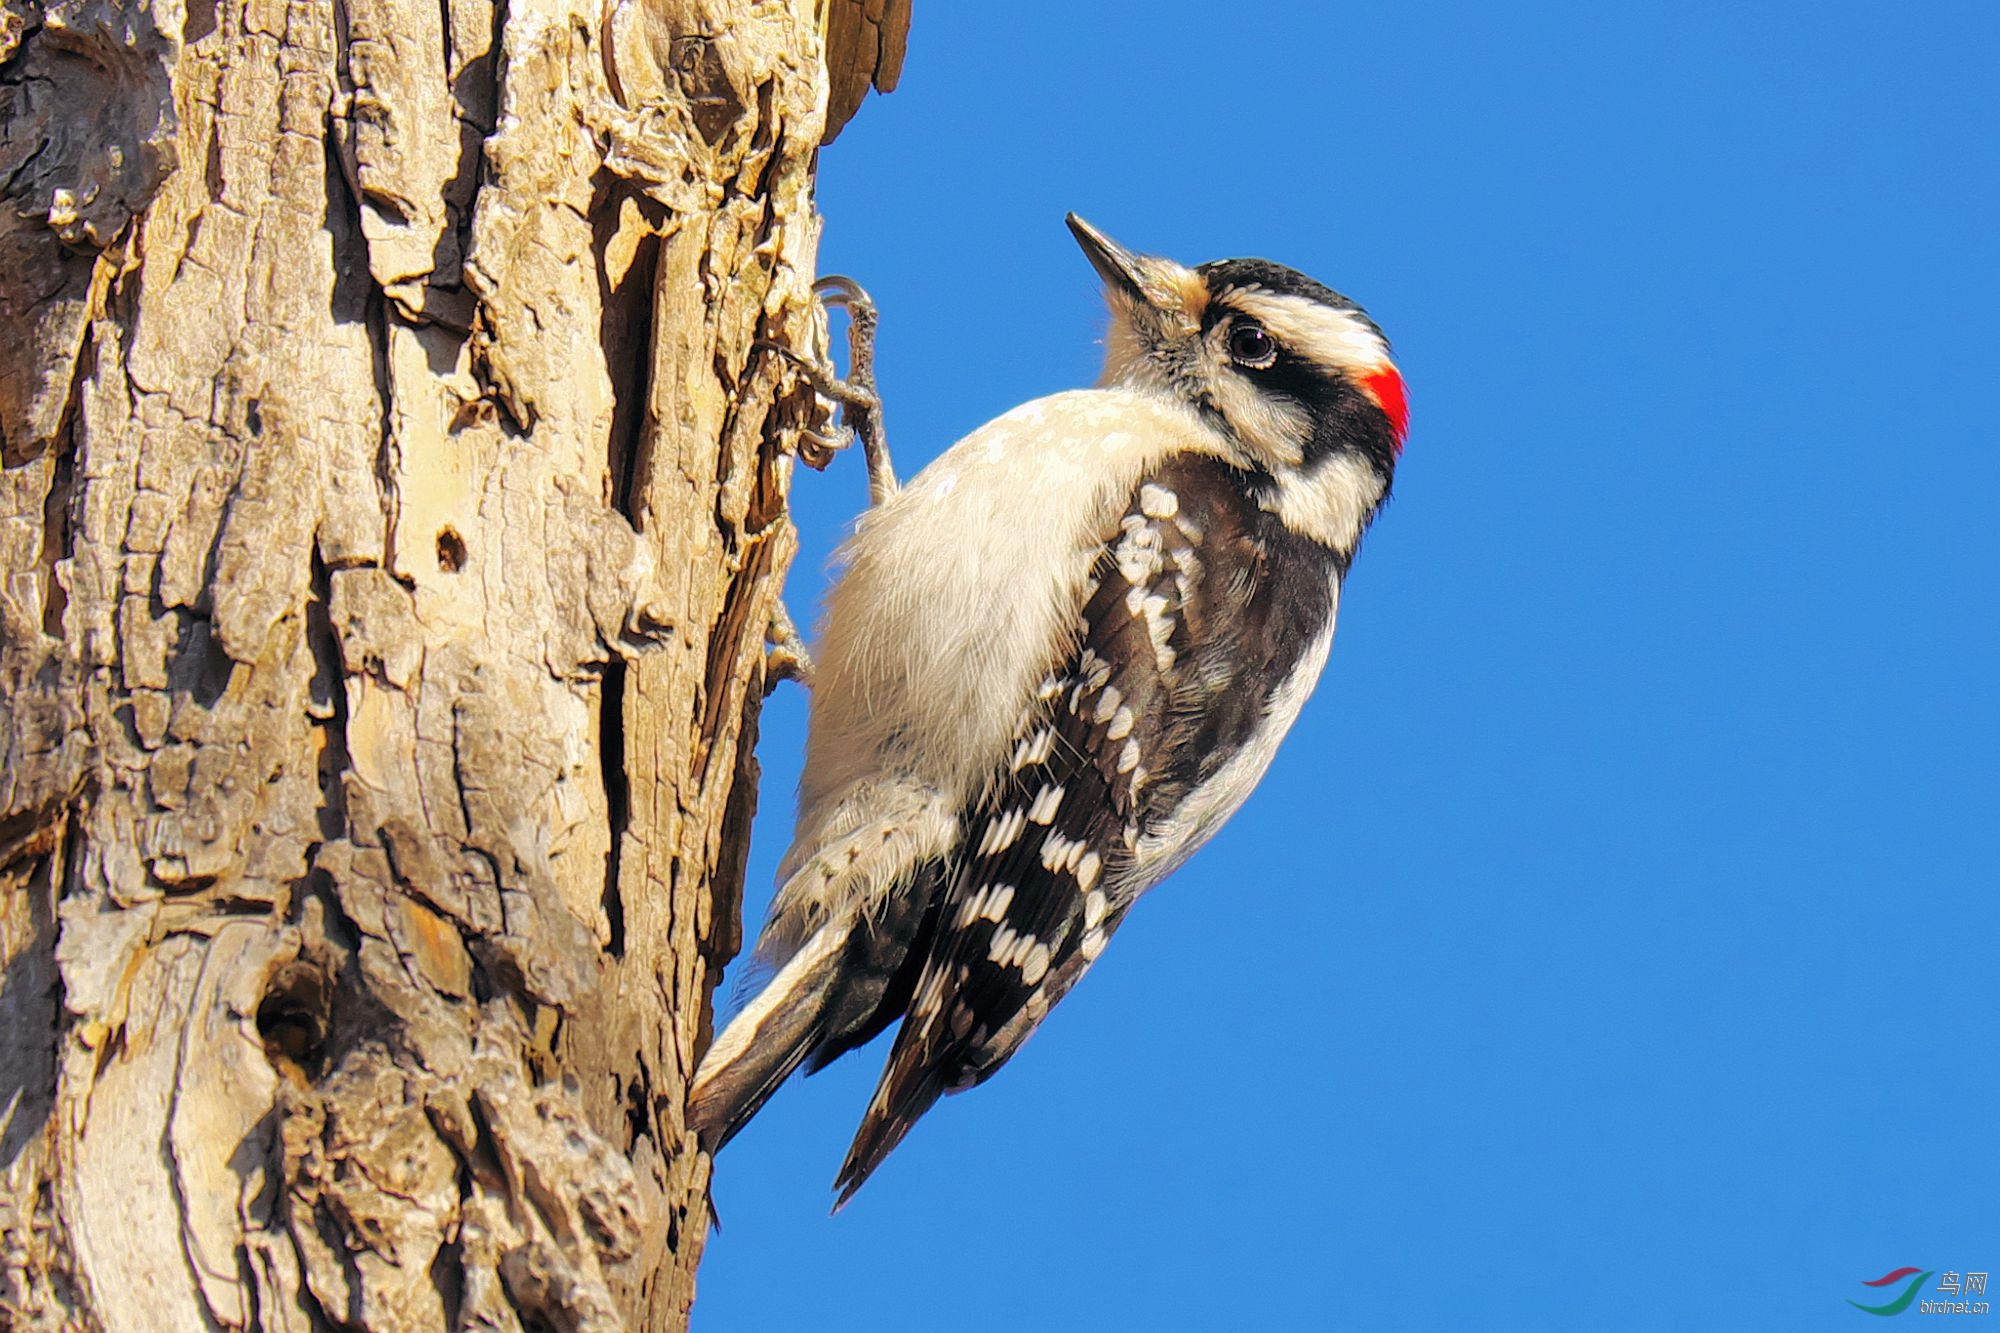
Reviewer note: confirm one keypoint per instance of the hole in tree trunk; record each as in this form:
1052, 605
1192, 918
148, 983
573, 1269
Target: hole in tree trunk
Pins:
451, 551
293, 1019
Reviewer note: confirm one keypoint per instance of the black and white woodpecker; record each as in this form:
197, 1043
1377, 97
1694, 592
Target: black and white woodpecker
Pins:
1054, 664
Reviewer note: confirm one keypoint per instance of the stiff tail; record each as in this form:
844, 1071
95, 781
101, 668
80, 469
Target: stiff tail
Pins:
881, 1130
911, 1084
767, 1041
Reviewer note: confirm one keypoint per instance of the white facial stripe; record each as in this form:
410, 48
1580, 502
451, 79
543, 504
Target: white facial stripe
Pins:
1337, 339
1331, 501
1273, 430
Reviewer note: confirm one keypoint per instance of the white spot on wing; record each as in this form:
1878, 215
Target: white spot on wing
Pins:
931, 998
1034, 750
1138, 552
1047, 802
973, 906
1087, 868
997, 905
1001, 832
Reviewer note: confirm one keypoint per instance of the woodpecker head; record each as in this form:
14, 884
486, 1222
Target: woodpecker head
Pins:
1295, 373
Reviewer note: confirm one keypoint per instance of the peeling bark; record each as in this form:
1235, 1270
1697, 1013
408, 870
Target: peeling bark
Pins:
393, 510
865, 44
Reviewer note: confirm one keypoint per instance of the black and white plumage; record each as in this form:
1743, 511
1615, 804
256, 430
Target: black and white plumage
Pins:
1053, 666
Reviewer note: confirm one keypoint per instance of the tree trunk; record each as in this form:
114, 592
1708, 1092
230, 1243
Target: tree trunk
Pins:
393, 511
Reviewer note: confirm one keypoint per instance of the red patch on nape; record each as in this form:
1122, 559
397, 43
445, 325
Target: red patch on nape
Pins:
1385, 386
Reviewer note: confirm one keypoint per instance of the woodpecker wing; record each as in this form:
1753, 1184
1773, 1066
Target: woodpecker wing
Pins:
1203, 627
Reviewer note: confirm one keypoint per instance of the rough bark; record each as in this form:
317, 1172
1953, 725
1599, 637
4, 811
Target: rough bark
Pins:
393, 510
865, 43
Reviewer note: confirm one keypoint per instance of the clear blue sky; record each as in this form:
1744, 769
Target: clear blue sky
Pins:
1614, 944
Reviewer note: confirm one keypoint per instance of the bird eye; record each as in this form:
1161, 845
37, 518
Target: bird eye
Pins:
1250, 346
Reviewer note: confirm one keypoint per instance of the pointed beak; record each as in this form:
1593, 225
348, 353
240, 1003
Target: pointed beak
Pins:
1147, 281
1121, 269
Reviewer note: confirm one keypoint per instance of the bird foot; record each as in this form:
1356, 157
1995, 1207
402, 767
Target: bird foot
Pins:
856, 396
787, 658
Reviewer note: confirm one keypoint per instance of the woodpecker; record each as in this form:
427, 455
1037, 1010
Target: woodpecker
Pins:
1051, 667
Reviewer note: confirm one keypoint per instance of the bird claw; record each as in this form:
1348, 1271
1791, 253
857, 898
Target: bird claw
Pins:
816, 450
787, 658
824, 381
856, 396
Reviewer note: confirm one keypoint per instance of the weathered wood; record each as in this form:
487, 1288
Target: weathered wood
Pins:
393, 511
865, 44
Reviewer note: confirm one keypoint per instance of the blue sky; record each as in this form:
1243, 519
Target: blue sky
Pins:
1613, 944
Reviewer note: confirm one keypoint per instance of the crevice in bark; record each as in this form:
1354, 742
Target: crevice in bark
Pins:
627, 271
739, 600
725, 935
638, 1114
201, 668
375, 319
330, 703
355, 297
704, 80
352, 286
800, 409
31, 987
200, 21
25, 838
617, 795
56, 520
448, 1276
324, 993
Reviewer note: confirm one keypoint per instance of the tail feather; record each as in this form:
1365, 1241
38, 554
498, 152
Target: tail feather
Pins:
847, 982
910, 1086
767, 1041
884, 957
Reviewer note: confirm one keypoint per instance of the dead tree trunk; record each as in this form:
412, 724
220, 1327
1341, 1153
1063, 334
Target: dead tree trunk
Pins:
393, 509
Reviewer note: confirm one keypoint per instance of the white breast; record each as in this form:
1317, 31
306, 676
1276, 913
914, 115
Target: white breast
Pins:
961, 592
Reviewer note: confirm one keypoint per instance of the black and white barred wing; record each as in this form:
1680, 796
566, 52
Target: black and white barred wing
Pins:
1193, 611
